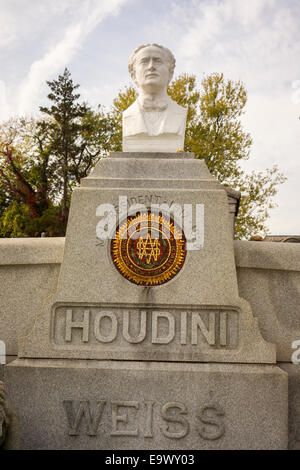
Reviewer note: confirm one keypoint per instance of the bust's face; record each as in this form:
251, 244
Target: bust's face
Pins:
152, 71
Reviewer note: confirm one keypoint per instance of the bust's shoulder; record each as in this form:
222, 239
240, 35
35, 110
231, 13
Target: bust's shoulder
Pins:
174, 107
132, 109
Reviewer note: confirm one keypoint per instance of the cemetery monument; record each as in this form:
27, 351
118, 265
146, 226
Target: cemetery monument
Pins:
145, 343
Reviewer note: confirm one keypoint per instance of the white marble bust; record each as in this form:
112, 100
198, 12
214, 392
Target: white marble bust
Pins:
154, 122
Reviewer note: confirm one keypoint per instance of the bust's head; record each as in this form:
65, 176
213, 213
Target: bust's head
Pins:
151, 67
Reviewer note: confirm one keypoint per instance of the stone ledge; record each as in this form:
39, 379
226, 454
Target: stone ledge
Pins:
168, 155
267, 255
254, 255
158, 366
22, 251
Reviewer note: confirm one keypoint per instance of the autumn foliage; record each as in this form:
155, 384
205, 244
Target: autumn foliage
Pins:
41, 161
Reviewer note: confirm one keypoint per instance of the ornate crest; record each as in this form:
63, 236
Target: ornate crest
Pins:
148, 249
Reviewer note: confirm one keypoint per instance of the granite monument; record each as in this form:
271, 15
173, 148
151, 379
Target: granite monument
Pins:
145, 341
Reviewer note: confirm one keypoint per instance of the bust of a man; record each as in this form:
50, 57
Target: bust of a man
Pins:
154, 122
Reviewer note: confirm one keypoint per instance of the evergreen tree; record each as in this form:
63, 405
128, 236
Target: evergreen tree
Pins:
64, 130
41, 161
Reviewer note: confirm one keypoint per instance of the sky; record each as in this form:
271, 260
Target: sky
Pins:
257, 42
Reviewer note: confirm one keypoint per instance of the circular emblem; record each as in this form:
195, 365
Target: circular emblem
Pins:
148, 249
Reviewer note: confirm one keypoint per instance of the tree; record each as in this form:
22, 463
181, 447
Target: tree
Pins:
41, 161
24, 165
77, 135
120, 103
214, 133
64, 128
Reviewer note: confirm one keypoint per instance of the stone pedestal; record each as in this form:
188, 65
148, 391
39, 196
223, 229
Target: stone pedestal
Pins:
95, 307
145, 405
104, 310
293, 371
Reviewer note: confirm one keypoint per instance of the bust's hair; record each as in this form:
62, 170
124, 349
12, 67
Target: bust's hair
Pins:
168, 54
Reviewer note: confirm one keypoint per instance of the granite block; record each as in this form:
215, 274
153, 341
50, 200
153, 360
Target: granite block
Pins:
134, 405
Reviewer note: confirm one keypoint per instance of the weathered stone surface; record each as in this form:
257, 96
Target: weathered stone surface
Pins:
164, 155
152, 333
4, 419
262, 268
28, 275
293, 371
156, 170
207, 280
8, 360
269, 278
134, 168
9, 425
148, 405
32, 251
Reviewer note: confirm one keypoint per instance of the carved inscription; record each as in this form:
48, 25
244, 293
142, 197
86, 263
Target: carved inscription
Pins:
145, 199
107, 329
133, 202
147, 419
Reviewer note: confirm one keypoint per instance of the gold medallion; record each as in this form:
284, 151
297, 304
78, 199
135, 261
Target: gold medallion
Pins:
149, 249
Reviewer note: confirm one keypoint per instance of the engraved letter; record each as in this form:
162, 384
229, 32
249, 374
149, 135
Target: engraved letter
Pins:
148, 199
175, 418
162, 339
77, 324
126, 322
116, 418
105, 227
83, 411
149, 419
114, 327
183, 327
223, 328
208, 333
213, 427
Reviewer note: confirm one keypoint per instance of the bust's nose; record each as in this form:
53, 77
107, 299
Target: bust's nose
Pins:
151, 64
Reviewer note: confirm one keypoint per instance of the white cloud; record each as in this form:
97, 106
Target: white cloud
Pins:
19, 18
296, 94
86, 16
54, 60
275, 128
257, 42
